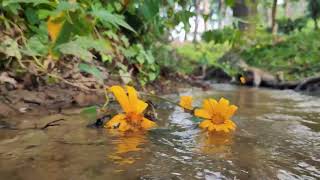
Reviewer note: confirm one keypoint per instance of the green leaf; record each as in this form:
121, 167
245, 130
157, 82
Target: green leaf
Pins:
31, 15
35, 47
34, 2
140, 58
91, 70
125, 76
149, 57
67, 6
152, 76
78, 25
106, 17
230, 2
90, 112
72, 48
196, 119
81, 45
10, 48
43, 14
106, 58
125, 41
150, 9
128, 53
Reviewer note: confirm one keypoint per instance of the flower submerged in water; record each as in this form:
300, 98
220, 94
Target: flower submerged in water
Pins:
217, 115
186, 102
133, 107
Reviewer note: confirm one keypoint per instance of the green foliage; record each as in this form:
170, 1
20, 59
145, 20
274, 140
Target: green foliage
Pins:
91, 70
314, 8
144, 61
107, 18
33, 2
10, 48
297, 56
81, 46
220, 36
287, 25
85, 28
200, 54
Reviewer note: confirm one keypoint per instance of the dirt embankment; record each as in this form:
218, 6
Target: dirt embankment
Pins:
20, 96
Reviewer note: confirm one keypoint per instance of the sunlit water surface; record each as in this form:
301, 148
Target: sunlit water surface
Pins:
277, 138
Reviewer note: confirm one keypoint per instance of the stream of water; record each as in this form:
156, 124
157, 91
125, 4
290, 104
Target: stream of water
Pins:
277, 137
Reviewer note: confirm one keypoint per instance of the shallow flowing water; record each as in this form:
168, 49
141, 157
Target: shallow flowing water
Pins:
278, 137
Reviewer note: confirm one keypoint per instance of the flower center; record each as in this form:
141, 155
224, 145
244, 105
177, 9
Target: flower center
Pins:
134, 118
217, 119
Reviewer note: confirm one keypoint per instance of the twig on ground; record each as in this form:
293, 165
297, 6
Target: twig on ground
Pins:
52, 123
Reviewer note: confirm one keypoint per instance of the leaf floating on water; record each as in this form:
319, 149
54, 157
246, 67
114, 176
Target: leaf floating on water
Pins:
196, 119
90, 112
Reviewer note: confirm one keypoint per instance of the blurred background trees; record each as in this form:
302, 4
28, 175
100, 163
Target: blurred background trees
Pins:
140, 38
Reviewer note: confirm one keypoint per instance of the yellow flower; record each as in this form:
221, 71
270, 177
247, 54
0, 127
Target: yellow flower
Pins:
242, 80
54, 26
217, 115
132, 119
186, 102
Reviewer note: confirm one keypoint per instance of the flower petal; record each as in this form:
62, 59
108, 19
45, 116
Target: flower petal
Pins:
121, 97
205, 124
141, 106
203, 113
209, 105
124, 126
136, 104
231, 124
231, 110
223, 102
186, 102
147, 124
115, 121
133, 97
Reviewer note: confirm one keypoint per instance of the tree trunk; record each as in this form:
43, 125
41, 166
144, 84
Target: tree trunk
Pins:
316, 26
273, 16
196, 23
206, 12
287, 8
246, 11
222, 13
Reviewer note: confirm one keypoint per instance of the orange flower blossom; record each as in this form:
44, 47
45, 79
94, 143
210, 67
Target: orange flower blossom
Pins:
186, 102
132, 119
217, 115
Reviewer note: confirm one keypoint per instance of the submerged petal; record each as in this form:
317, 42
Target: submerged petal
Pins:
115, 121
124, 126
121, 97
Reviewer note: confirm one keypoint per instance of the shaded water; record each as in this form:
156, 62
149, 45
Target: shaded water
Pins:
278, 137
